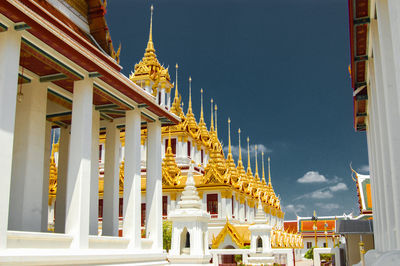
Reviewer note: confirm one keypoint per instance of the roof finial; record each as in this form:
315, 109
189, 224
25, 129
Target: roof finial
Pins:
190, 95
256, 174
269, 171
150, 44
216, 124
248, 157
201, 112
240, 148
212, 118
229, 137
176, 81
263, 172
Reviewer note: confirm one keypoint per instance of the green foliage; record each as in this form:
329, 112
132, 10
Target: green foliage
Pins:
167, 234
326, 257
238, 258
309, 254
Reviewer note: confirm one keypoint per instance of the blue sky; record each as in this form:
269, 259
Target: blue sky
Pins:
278, 69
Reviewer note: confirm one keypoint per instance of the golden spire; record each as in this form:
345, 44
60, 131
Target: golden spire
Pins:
263, 172
256, 174
229, 137
248, 158
269, 171
216, 124
240, 147
176, 105
212, 119
201, 112
150, 45
190, 95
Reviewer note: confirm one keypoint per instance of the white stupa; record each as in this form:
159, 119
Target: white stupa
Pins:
260, 243
189, 243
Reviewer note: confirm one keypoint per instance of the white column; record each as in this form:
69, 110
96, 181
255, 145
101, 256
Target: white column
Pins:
111, 181
229, 207
10, 43
385, 103
46, 172
28, 159
169, 100
223, 213
371, 136
132, 179
392, 21
63, 154
163, 97
241, 212
94, 179
154, 186
79, 165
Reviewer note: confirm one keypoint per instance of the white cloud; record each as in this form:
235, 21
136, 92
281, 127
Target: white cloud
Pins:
320, 194
364, 169
328, 206
294, 208
260, 148
338, 187
312, 177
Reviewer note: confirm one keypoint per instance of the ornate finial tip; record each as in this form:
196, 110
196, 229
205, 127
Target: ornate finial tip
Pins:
239, 130
176, 66
212, 100
229, 120
152, 8
216, 108
269, 158
248, 139
201, 90
190, 79
262, 153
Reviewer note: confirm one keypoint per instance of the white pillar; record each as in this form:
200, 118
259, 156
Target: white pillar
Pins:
63, 154
229, 207
169, 100
79, 165
132, 179
163, 97
94, 179
46, 173
10, 43
28, 159
385, 81
111, 181
241, 211
223, 213
154, 186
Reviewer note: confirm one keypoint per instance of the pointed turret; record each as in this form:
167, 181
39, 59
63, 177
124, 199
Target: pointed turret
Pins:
263, 172
212, 118
216, 123
176, 105
229, 160
269, 172
191, 120
202, 125
150, 45
256, 176
249, 172
240, 166
170, 170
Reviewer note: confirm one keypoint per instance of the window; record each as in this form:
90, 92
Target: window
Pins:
165, 206
202, 156
245, 212
121, 207
189, 148
325, 245
233, 207
100, 148
212, 205
159, 97
173, 146
100, 208
309, 245
143, 213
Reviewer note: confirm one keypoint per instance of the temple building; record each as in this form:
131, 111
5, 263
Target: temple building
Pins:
375, 71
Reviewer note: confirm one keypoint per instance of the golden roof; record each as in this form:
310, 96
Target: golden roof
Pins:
237, 238
170, 170
149, 69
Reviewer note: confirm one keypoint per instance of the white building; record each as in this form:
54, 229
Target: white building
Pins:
375, 71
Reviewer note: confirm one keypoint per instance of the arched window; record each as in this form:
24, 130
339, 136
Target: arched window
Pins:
259, 244
185, 242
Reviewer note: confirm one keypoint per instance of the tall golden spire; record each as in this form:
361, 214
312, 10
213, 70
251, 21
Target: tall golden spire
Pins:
263, 172
212, 118
201, 112
256, 174
216, 124
229, 137
176, 105
269, 172
240, 166
150, 45
240, 147
190, 95
248, 158
176, 82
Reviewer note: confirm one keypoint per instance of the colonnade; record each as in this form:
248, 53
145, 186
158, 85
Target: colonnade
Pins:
384, 123
25, 152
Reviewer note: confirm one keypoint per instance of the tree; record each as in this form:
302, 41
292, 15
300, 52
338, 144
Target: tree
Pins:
167, 233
